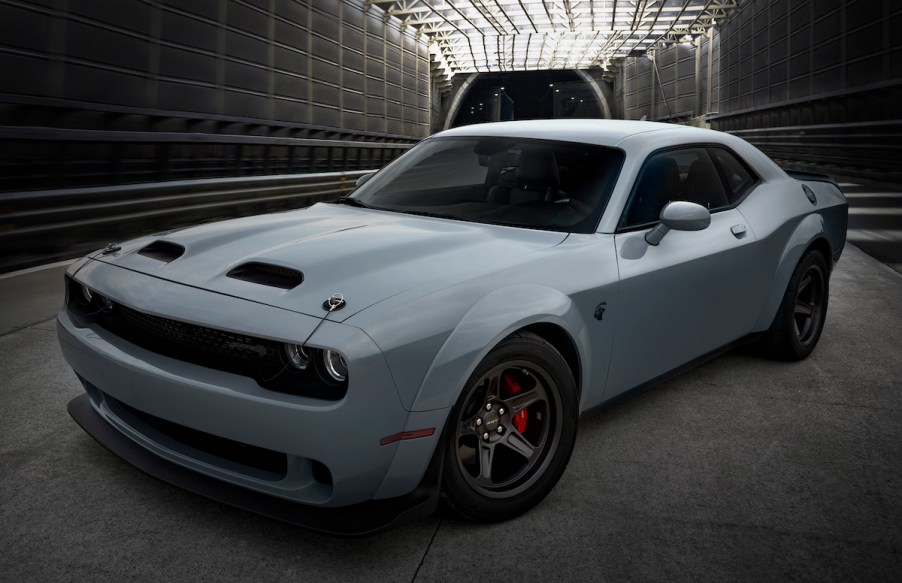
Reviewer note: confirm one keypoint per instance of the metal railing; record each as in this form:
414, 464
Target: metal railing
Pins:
40, 158
42, 226
868, 150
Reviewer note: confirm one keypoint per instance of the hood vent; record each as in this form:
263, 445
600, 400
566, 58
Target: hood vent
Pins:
266, 274
162, 251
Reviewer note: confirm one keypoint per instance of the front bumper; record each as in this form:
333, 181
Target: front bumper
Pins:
355, 520
126, 383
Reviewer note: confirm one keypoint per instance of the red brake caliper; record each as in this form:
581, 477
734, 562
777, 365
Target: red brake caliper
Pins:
512, 387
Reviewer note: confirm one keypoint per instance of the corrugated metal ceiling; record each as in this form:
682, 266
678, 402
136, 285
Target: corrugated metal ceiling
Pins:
469, 36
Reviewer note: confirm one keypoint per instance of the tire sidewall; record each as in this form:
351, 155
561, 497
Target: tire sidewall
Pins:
787, 344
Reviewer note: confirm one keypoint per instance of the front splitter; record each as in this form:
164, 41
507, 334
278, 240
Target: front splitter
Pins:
357, 520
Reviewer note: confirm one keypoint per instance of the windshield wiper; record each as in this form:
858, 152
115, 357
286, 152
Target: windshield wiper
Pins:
351, 202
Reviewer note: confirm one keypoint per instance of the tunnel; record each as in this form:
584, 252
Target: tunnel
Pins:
557, 94
140, 95
125, 124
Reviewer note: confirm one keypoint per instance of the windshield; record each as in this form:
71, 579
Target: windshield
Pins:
539, 184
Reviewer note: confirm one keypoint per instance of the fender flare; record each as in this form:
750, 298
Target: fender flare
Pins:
488, 322
810, 229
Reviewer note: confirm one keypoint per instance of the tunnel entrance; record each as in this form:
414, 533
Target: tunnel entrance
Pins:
525, 95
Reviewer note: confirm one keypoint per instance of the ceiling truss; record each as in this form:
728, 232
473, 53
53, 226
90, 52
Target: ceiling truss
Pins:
472, 36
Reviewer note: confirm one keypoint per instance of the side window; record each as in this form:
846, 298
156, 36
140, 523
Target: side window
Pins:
739, 179
683, 174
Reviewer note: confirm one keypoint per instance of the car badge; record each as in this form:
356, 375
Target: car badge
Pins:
334, 302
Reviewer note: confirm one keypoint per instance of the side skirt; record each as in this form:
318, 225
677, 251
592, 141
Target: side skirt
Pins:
658, 380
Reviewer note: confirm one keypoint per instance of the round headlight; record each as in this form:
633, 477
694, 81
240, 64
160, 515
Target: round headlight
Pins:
335, 365
86, 294
297, 355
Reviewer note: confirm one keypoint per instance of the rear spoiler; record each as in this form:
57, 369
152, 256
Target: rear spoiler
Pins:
811, 177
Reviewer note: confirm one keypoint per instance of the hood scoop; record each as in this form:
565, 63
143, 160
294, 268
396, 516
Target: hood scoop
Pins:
267, 274
162, 251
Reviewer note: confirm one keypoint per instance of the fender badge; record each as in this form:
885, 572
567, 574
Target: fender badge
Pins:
599, 311
334, 302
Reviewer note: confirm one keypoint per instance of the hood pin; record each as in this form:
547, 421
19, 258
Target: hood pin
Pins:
111, 248
334, 302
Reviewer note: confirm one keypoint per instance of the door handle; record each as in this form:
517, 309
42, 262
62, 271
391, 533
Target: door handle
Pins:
738, 231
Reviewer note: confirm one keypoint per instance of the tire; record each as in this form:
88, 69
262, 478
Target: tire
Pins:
800, 319
510, 434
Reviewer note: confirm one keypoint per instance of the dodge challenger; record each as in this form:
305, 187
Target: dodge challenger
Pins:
438, 333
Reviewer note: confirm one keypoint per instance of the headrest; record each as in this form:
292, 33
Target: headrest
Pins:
537, 168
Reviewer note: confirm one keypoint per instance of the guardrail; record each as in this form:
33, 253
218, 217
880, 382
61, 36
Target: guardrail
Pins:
42, 157
38, 227
868, 150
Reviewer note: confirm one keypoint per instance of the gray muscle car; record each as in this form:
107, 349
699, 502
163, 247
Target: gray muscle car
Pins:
441, 330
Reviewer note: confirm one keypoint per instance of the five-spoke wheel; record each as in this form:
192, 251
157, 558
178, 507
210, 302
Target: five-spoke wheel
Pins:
809, 303
800, 318
513, 430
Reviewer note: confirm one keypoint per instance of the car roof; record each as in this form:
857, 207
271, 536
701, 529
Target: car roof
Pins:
603, 132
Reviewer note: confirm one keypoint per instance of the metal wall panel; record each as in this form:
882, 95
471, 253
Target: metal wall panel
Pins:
810, 49
316, 62
828, 60
664, 85
833, 97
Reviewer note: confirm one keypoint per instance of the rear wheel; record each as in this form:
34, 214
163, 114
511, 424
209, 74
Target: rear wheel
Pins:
512, 431
800, 318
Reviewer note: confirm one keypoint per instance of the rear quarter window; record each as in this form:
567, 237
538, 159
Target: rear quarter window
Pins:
738, 178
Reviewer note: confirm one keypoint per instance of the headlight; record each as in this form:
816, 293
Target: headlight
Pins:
297, 356
335, 365
86, 294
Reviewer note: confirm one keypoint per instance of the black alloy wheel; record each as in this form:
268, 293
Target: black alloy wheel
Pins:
808, 310
800, 318
511, 433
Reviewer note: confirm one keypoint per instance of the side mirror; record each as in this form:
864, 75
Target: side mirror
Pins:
360, 181
679, 215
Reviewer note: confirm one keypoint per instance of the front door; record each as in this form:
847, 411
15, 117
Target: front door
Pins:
692, 293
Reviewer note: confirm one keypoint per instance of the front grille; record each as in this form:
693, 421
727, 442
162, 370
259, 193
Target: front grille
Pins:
258, 358
173, 338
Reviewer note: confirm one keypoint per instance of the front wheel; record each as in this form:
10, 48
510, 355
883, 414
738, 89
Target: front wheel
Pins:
512, 431
800, 319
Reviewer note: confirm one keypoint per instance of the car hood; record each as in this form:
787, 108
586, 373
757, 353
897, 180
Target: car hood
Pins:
365, 255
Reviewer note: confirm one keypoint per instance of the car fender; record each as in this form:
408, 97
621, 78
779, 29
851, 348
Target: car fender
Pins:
805, 233
491, 319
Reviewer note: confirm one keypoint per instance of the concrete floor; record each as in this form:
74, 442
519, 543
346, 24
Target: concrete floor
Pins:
742, 469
